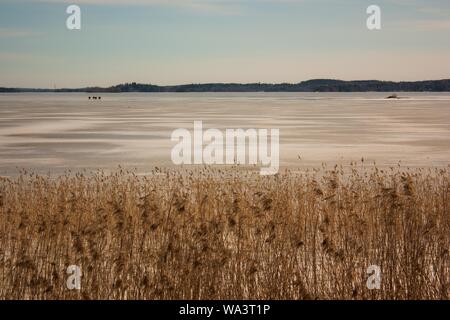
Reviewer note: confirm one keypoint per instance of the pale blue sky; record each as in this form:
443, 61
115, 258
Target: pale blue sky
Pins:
196, 41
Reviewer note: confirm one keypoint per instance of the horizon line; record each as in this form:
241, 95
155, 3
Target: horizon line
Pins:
217, 83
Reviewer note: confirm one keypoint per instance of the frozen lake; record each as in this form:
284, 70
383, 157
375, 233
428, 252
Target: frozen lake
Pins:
55, 132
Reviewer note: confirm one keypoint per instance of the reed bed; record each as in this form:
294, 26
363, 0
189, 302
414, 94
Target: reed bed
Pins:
227, 234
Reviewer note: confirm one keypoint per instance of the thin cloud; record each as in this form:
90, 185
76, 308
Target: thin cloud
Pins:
424, 25
12, 33
15, 56
433, 25
208, 6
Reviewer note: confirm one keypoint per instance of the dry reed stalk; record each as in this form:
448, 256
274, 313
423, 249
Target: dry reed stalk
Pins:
221, 234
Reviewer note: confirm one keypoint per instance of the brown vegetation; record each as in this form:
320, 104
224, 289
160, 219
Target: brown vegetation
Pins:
213, 234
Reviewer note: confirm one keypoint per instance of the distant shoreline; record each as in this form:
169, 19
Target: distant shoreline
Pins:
317, 85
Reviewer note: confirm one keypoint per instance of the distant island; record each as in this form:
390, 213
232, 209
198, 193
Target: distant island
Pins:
316, 85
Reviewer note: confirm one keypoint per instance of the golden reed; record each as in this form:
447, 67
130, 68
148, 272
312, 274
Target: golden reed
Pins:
224, 234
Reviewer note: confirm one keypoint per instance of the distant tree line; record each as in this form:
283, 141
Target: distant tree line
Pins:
317, 85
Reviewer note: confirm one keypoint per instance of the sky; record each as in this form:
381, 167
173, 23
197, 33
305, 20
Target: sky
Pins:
199, 41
